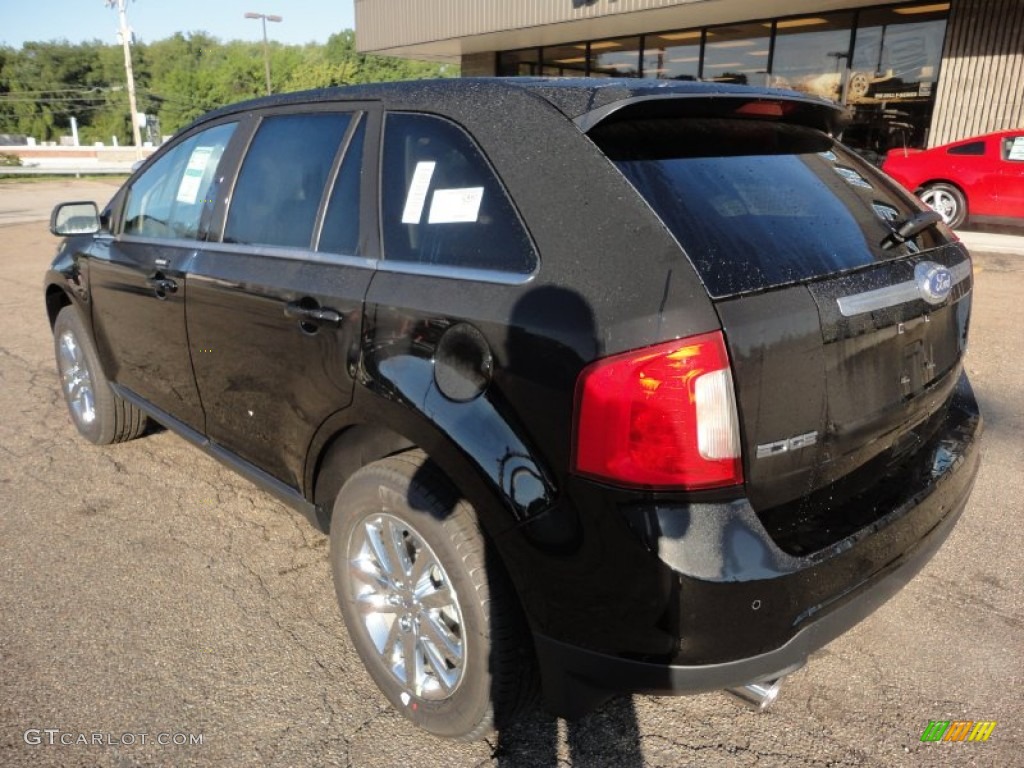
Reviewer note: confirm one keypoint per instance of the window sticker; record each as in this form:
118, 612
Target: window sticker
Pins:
417, 196
188, 189
1017, 149
455, 206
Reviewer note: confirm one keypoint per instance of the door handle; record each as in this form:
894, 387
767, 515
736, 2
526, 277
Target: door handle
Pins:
302, 311
161, 285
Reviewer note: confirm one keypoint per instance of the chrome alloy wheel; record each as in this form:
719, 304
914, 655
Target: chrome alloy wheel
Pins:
408, 606
74, 376
943, 203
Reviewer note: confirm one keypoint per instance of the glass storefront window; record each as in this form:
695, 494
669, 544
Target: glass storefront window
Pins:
888, 80
564, 60
737, 54
892, 79
811, 54
897, 53
673, 55
615, 58
519, 63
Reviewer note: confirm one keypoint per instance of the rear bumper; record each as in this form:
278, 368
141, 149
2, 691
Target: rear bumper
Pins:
749, 612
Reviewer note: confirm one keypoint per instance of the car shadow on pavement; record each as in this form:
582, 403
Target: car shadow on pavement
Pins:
610, 736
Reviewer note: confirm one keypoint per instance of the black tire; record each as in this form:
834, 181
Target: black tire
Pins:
406, 499
948, 201
101, 416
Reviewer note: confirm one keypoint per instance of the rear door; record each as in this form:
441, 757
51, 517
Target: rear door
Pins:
275, 307
843, 340
137, 281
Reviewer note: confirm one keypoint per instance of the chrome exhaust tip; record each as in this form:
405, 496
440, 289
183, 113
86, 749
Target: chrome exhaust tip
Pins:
758, 696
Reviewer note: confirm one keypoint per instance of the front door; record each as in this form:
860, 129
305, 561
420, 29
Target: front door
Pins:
138, 281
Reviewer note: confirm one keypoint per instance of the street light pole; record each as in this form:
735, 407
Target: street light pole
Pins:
263, 17
126, 39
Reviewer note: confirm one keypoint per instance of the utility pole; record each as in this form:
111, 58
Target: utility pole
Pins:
125, 34
264, 17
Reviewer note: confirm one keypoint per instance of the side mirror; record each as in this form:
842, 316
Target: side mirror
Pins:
75, 219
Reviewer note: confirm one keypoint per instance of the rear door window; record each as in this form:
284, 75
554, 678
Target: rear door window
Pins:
757, 204
281, 182
442, 203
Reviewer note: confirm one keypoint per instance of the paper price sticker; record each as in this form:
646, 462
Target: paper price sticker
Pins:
417, 196
453, 206
188, 189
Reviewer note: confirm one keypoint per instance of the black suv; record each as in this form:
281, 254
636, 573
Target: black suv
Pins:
611, 385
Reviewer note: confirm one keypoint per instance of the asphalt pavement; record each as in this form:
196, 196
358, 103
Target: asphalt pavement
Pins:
156, 609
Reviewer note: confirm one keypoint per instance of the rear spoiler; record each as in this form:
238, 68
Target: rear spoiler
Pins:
794, 109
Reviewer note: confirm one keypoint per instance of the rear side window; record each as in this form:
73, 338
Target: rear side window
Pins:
281, 183
441, 202
168, 199
974, 148
757, 204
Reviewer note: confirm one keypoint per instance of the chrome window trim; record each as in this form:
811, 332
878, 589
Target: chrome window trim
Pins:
268, 251
892, 295
456, 273
324, 257
292, 254
167, 242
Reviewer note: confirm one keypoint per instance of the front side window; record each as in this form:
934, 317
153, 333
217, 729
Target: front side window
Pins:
442, 203
282, 179
1013, 149
167, 201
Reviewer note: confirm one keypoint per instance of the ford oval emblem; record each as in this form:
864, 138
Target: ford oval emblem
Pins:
934, 281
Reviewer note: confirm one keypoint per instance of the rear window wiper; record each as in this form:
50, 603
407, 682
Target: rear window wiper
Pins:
906, 229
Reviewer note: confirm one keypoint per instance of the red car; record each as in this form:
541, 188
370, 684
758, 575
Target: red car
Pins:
981, 178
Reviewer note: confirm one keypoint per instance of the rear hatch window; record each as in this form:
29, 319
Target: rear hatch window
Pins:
758, 204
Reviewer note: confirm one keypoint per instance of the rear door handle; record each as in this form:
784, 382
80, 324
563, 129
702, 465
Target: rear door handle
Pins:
312, 314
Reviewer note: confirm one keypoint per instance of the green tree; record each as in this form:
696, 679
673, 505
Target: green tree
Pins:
44, 84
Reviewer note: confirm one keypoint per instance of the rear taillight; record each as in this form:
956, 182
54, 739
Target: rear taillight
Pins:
660, 417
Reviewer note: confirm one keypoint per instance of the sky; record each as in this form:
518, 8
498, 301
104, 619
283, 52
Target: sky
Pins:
80, 20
